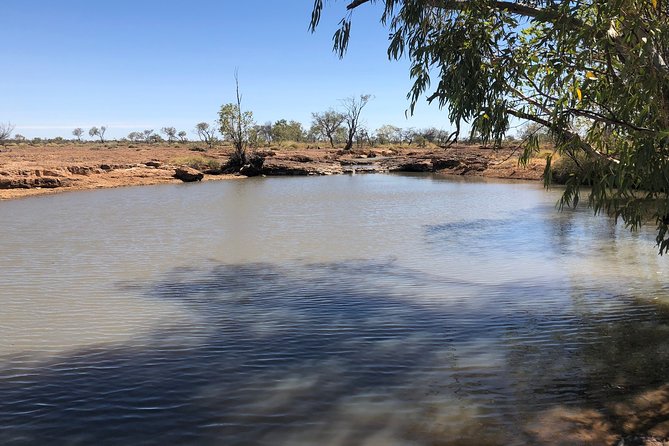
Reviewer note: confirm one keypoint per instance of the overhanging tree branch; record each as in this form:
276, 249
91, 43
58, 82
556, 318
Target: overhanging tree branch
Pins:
454, 5
567, 134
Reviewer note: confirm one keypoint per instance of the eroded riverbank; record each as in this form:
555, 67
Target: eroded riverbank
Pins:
27, 170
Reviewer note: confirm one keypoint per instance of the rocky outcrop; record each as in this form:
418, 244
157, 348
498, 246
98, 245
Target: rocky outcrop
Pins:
254, 166
188, 174
32, 183
250, 170
453, 163
448, 163
279, 166
414, 165
110, 167
82, 170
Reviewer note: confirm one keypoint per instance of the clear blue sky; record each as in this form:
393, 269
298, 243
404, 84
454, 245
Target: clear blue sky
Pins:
136, 64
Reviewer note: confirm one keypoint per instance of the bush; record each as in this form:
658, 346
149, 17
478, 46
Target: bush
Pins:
566, 167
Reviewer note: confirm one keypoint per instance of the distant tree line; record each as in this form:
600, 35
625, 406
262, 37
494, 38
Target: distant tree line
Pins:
342, 126
327, 127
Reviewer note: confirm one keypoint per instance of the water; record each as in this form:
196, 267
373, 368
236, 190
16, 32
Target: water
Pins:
365, 310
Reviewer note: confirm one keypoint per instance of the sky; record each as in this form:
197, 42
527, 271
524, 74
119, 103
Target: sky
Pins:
146, 64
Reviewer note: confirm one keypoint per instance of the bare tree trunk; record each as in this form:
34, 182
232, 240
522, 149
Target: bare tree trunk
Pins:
239, 143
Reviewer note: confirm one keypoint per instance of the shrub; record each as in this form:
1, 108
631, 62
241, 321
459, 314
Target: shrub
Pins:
566, 167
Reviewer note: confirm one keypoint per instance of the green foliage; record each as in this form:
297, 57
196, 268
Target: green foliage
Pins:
326, 125
206, 133
136, 136
170, 132
532, 129
235, 126
283, 130
99, 132
594, 73
568, 168
389, 134
77, 133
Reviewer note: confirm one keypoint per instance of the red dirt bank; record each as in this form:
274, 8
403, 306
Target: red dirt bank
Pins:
27, 170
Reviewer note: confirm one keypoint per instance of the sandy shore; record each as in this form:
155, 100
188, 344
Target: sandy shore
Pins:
27, 170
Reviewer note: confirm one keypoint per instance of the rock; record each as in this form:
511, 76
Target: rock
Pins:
301, 158
363, 169
440, 163
48, 183
188, 174
265, 153
109, 167
32, 183
81, 170
153, 164
415, 165
635, 440
249, 170
253, 167
215, 171
277, 166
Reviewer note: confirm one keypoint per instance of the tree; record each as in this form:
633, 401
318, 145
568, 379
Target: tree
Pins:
99, 132
206, 133
265, 132
235, 126
135, 136
283, 130
533, 130
408, 135
389, 134
170, 132
551, 63
155, 139
183, 136
77, 133
326, 124
148, 135
352, 109
362, 137
5, 132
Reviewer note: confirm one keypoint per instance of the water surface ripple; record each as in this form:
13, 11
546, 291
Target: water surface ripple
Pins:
367, 310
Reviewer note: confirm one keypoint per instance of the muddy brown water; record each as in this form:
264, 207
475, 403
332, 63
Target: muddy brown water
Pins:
367, 310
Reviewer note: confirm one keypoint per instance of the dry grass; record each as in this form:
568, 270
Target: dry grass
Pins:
198, 162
